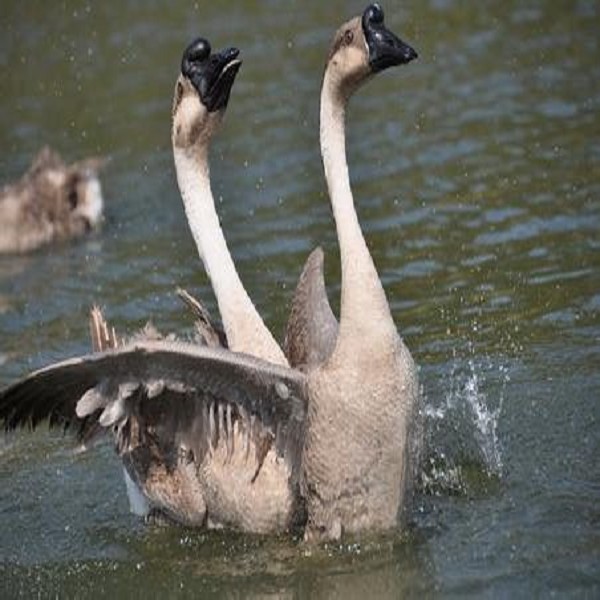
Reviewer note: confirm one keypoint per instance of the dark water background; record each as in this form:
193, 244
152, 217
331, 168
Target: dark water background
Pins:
476, 172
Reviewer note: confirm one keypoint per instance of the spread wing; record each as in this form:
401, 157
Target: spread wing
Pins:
183, 393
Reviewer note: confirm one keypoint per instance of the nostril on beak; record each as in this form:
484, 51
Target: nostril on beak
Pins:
409, 53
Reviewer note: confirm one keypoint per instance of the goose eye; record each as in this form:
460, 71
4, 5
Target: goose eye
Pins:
178, 93
72, 198
348, 37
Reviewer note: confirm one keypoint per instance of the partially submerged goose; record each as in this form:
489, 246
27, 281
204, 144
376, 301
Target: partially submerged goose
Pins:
367, 388
216, 451
217, 438
51, 202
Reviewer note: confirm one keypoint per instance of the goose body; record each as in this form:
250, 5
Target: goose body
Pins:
220, 451
368, 386
51, 202
217, 438
235, 476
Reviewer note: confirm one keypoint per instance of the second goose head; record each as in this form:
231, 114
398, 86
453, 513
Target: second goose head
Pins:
362, 47
202, 92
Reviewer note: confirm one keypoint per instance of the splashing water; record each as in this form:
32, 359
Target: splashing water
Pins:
463, 429
485, 420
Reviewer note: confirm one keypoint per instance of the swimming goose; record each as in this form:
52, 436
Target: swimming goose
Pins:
52, 201
206, 437
368, 386
218, 438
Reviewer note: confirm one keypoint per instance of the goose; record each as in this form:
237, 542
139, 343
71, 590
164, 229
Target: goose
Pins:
52, 201
213, 451
368, 386
217, 438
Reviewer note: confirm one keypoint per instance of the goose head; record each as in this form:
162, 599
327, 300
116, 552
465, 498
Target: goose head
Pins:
363, 47
73, 193
83, 194
202, 92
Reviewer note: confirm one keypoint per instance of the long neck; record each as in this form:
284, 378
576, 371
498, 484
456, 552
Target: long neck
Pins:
364, 309
245, 330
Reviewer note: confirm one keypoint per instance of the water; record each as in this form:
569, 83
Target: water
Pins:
477, 175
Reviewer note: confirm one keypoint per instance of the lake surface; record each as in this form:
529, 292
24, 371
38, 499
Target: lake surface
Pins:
476, 171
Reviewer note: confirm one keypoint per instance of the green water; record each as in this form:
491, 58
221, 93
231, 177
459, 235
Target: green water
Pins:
476, 171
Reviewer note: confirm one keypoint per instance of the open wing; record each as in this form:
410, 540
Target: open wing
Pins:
180, 391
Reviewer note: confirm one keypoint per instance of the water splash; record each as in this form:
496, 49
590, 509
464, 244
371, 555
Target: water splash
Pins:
463, 442
485, 421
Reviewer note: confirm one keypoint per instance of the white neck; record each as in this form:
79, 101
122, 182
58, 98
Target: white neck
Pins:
244, 328
364, 309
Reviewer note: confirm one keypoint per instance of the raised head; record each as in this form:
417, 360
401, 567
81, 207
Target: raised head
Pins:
202, 92
362, 47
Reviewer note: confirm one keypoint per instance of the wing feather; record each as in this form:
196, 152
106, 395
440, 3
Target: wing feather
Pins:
312, 328
183, 393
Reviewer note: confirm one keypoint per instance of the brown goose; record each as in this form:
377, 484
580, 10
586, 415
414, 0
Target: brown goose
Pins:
217, 438
213, 452
368, 386
51, 202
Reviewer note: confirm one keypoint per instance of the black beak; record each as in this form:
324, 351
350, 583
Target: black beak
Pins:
212, 75
385, 48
